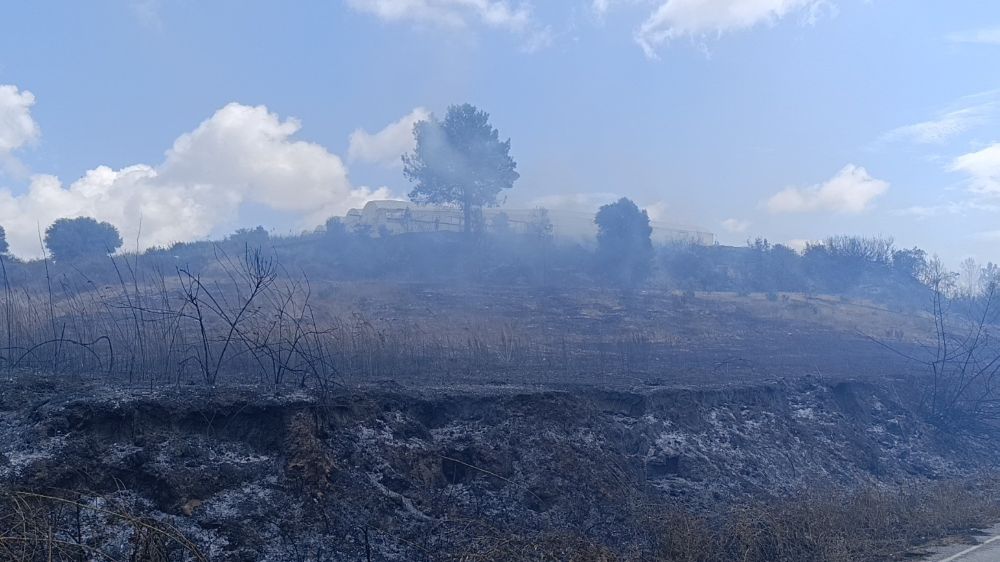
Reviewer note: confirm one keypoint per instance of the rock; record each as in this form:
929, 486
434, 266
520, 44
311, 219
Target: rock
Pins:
189, 506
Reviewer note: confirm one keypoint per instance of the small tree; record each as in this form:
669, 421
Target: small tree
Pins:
624, 246
969, 279
254, 237
335, 229
989, 276
911, 263
961, 392
460, 161
72, 239
539, 225
4, 247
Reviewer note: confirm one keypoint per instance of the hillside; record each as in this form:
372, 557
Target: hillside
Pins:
471, 422
238, 409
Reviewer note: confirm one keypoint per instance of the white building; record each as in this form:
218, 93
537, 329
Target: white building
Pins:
397, 217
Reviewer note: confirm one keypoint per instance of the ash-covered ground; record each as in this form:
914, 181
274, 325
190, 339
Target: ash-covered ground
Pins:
385, 472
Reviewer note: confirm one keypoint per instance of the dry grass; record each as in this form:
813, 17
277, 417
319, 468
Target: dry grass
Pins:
827, 526
247, 320
46, 527
154, 323
867, 525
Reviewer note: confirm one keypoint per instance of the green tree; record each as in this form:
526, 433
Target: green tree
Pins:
256, 237
910, 263
624, 244
460, 161
72, 239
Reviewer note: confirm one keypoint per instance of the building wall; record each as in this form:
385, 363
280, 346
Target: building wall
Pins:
397, 217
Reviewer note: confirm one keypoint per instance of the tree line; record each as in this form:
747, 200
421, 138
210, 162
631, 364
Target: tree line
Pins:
463, 162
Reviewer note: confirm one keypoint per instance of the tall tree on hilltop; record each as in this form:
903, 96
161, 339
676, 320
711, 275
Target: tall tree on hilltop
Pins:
460, 161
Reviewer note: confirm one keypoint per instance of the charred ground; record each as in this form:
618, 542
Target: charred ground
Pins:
478, 472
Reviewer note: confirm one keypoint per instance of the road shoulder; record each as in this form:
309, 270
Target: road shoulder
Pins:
981, 546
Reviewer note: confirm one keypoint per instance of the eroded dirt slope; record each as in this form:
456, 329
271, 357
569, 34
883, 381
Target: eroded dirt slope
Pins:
426, 474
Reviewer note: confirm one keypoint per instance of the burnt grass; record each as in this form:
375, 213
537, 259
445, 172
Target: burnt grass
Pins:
642, 426
595, 336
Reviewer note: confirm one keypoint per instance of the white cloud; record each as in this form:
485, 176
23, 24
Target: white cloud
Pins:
453, 13
148, 12
800, 244
537, 39
239, 155
928, 211
736, 226
387, 146
985, 36
600, 7
960, 208
696, 18
460, 14
942, 128
250, 150
991, 235
17, 127
970, 112
983, 169
852, 190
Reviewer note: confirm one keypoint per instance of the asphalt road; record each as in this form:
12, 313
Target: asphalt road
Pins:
988, 550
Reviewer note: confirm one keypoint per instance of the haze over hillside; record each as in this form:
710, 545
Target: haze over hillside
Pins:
499, 280
745, 123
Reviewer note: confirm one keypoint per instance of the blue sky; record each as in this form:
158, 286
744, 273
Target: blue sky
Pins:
790, 119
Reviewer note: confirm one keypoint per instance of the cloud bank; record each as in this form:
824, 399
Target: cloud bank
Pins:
240, 155
852, 190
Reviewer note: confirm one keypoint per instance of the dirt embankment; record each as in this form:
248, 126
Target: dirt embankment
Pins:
399, 474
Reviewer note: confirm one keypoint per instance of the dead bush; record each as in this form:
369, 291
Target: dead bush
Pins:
48, 527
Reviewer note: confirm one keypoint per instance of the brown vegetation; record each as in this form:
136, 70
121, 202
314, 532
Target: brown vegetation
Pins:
870, 524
